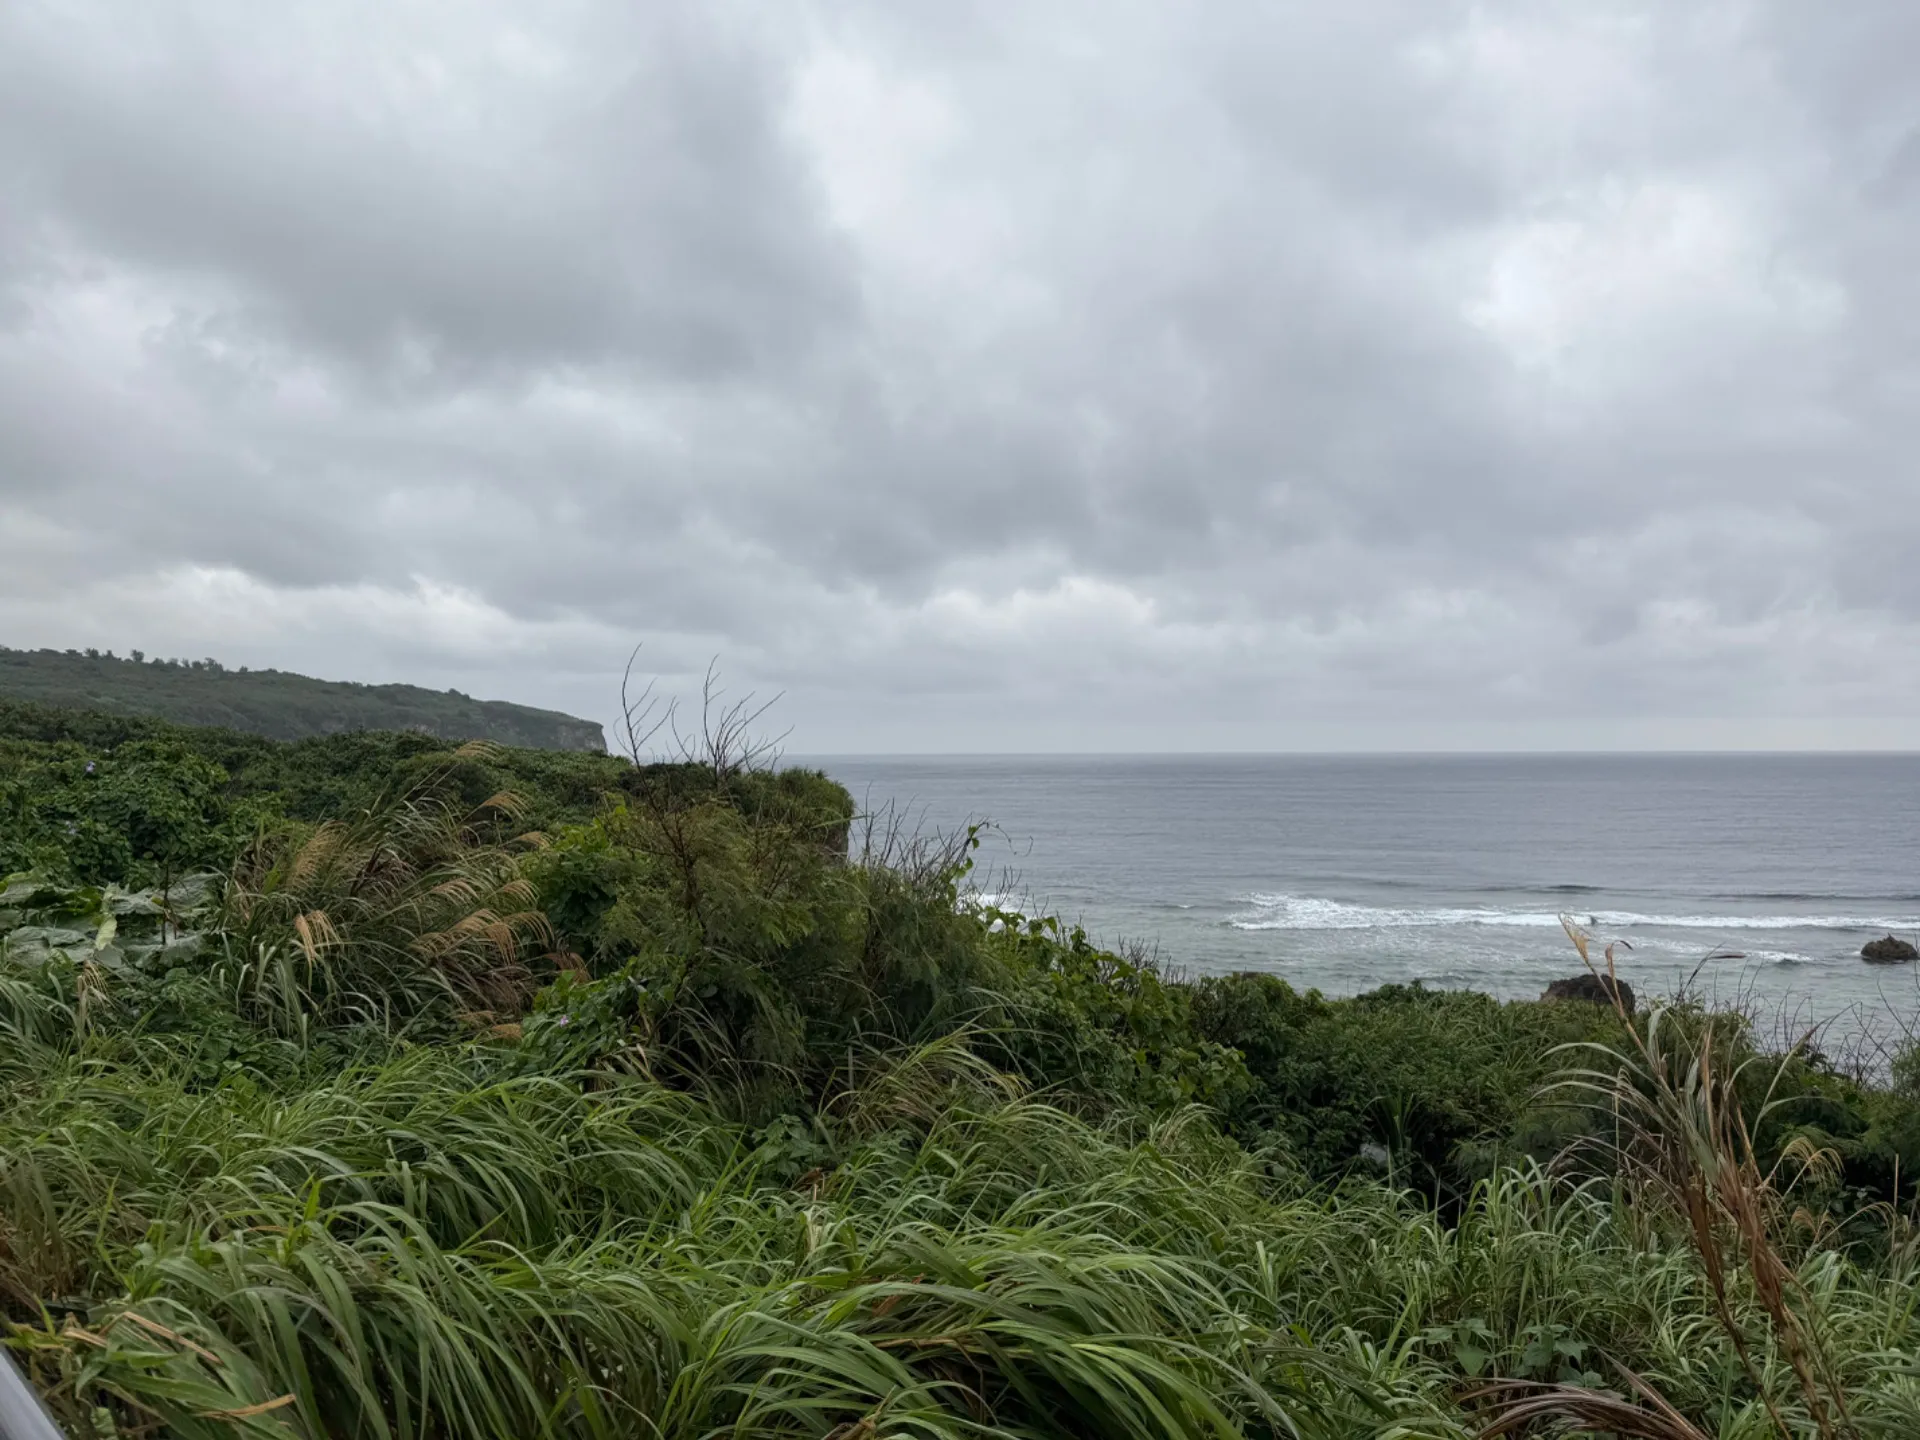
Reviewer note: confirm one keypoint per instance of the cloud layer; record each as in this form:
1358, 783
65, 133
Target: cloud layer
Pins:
1078, 376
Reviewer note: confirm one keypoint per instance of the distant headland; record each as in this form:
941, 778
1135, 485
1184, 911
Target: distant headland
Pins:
276, 703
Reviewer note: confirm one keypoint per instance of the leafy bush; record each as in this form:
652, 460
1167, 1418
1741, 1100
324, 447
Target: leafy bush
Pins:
1434, 1088
1104, 1027
145, 811
762, 954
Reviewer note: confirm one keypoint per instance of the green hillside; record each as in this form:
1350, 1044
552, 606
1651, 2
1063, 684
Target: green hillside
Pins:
275, 703
373, 1087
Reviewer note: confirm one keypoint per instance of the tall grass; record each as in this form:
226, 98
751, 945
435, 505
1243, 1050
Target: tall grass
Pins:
436, 1244
377, 915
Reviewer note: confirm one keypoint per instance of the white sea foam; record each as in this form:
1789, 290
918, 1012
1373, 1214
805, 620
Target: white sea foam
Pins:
1313, 912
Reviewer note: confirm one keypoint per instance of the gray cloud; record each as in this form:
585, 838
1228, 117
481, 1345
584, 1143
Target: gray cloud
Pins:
617, 192
1077, 375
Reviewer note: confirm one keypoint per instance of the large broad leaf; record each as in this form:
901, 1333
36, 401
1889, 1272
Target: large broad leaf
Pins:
51, 937
135, 920
46, 899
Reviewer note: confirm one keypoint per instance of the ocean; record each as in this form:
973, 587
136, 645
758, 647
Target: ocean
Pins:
1750, 879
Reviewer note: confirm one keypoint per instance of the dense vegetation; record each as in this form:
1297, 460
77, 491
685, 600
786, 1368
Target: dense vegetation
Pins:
370, 1087
275, 703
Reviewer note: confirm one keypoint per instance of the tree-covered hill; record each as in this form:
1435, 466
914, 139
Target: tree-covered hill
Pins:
275, 703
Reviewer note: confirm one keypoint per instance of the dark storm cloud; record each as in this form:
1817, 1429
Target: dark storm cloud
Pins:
1096, 374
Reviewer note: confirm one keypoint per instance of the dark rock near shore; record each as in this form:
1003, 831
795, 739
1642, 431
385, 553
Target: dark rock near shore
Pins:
1888, 951
1596, 989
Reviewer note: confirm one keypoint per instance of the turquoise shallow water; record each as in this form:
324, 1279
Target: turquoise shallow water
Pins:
1756, 877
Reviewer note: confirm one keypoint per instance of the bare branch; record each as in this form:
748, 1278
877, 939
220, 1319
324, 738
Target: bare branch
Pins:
642, 716
726, 742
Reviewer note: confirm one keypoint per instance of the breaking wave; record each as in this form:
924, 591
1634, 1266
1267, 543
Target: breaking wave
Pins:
1313, 912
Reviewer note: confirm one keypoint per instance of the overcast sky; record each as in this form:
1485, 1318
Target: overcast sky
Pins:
1057, 376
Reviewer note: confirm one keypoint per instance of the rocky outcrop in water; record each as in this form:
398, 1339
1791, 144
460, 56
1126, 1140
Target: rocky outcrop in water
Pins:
1889, 951
1596, 989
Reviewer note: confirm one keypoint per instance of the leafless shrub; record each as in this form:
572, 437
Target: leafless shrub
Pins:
726, 741
643, 714
895, 837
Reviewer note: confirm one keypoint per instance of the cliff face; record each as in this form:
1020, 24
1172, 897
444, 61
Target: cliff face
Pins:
277, 704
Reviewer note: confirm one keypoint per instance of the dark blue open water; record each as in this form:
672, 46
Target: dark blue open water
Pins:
1346, 872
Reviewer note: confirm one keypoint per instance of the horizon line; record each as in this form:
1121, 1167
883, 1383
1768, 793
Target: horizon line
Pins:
1382, 754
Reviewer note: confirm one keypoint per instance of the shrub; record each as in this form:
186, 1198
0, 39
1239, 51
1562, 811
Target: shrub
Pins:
1439, 1087
1104, 1027
148, 810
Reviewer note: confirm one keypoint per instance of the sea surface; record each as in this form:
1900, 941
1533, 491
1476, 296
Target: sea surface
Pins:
1741, 878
